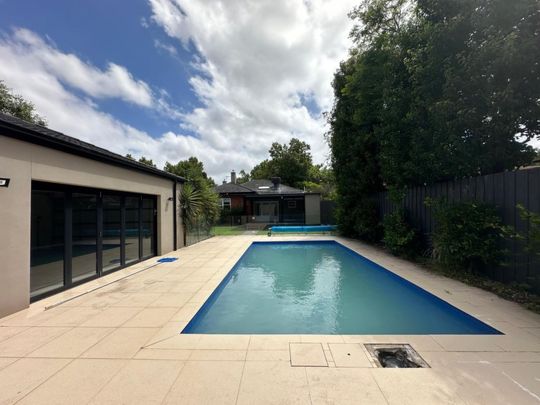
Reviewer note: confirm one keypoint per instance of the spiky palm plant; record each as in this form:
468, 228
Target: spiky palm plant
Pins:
192, 204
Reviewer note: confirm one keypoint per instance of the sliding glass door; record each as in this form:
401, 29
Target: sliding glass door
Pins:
133, 231
148, 225
47, 241
84, 234
79, 234
112, 232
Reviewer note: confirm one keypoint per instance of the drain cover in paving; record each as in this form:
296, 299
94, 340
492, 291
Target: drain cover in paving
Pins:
349, 355
307, 355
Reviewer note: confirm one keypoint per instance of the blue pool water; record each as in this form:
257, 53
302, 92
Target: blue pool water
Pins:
323, 288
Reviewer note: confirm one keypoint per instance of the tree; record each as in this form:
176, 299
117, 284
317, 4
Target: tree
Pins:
142, 160
536, 159
146, 161
17, 106
355, 149
434, 90
193, 170
292, 162
263, 170
321, 180
243, 177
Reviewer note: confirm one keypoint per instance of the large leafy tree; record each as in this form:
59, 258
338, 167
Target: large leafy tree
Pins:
355, 149
191, 169
243, 177
435, 89
292, 162
17, 106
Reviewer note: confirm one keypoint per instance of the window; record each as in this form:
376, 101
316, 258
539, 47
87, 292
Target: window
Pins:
225, 203
291, 204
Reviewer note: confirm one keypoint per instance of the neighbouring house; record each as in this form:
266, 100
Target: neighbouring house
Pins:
269, 202
71, 212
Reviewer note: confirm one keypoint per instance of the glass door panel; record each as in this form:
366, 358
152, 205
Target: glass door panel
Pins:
132, 229
47, 241
112, 232
148, 237
84, 228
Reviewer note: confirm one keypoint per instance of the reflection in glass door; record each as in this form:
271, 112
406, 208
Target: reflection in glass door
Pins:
84, 234
132, 229
148, 237
47, 245
112, 232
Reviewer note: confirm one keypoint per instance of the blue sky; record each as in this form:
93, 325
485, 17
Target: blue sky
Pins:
168, 79
103, 31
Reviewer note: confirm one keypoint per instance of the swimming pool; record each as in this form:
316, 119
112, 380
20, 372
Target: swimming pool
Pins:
322, 287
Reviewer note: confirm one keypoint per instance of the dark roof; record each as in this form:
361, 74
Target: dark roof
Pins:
231, 188
258, 187
267, 187
37, 134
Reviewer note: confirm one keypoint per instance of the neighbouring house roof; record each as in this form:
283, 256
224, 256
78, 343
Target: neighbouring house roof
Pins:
258, 187
232, 188
39, 135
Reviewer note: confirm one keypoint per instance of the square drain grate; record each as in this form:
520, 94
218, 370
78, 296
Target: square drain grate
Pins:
395, 356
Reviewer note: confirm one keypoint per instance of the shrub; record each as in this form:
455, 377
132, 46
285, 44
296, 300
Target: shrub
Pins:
533, 237
362, 221
366, 221
399, 236
467, 235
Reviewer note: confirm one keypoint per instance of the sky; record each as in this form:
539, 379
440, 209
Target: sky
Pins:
170, 79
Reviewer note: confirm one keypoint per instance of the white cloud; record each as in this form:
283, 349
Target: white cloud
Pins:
115, 81
260, 59
171, 50
257, 62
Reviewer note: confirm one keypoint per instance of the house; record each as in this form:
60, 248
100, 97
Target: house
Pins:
270, 202
71, 212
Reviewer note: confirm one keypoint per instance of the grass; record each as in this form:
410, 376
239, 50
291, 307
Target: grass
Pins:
225, 230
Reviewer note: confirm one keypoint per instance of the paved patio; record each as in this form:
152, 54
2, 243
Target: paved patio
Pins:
119, 342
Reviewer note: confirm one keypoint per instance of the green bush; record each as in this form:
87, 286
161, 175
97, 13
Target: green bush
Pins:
360, 221
399, 236
533, 238
468, 235
366, 221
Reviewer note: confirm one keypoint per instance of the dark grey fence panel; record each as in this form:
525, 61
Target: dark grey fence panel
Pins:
328, 212
521, 262
504, 191
534, 206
